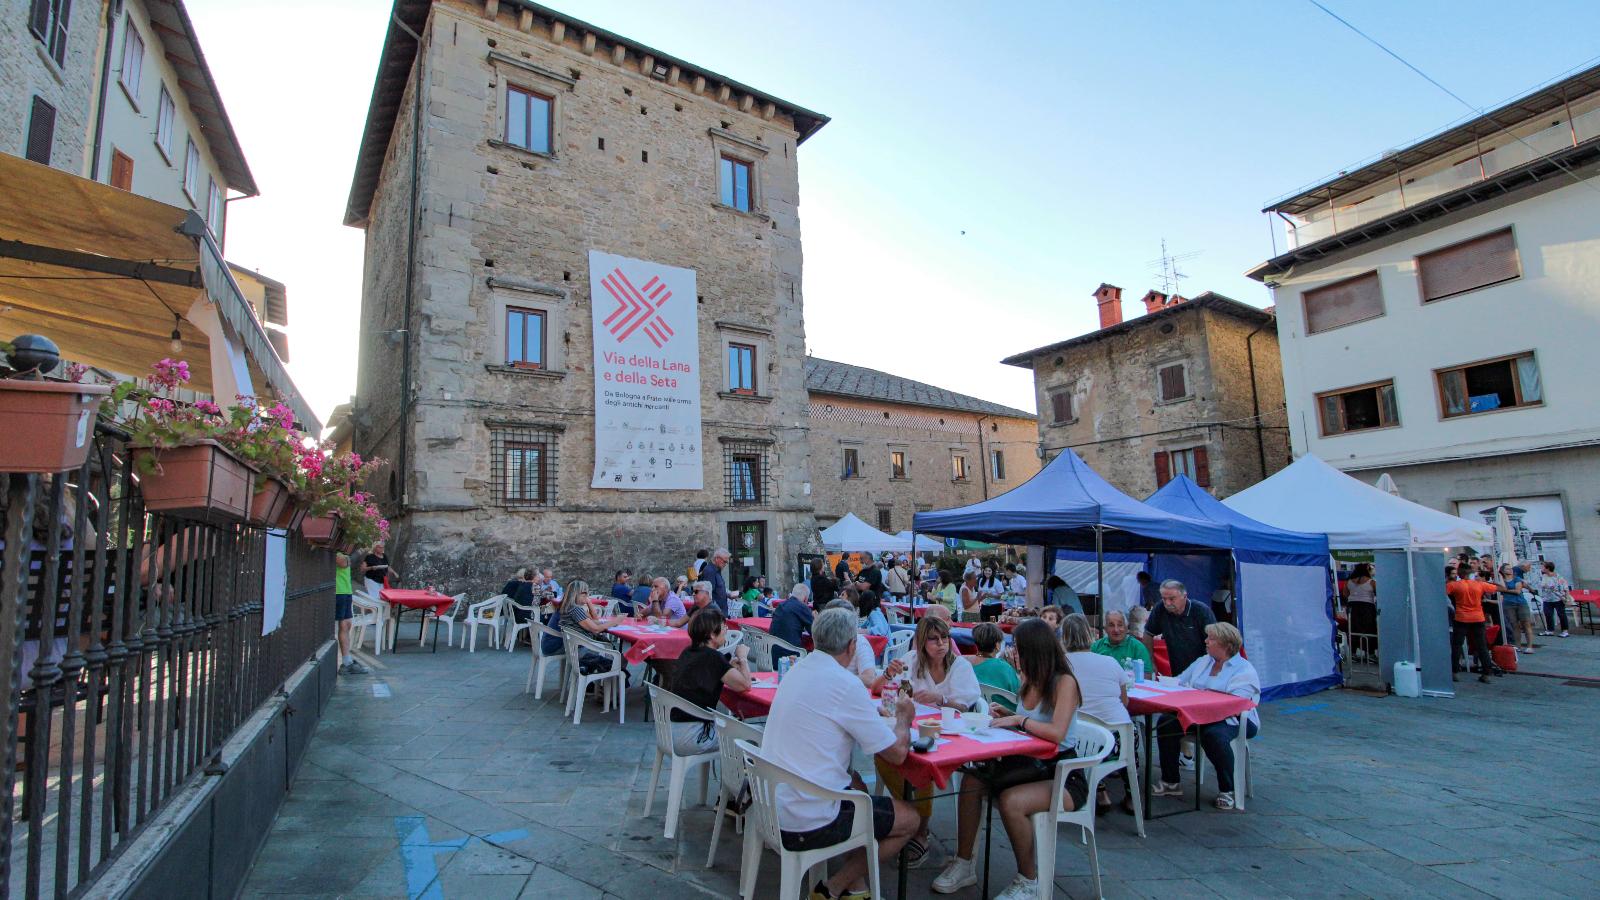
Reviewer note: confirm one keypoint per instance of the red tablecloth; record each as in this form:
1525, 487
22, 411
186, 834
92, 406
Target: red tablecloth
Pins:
1583, 595
1192, 707
1163, 664
645, 644
878, 642
755, 702
1006, 627
922, 769
412, 599
915, 612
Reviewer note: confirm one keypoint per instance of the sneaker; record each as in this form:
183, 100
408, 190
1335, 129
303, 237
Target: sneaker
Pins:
354, 667
856, 895
960, 873
1563, 634
1225, 800
1546, 633
916, 850
1020, 889
1163, 789
1186, 763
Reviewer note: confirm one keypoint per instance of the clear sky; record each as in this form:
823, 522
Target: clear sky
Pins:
987, 166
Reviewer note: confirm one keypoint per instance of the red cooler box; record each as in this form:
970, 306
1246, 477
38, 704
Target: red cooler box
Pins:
1505, 656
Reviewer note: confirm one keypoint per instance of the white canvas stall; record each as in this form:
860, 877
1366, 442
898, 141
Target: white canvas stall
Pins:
1287, 641
851, 534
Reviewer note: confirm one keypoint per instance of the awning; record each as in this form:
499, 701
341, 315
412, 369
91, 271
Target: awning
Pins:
107, 275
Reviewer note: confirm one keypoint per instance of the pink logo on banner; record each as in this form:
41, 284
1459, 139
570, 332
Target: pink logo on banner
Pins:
637, 308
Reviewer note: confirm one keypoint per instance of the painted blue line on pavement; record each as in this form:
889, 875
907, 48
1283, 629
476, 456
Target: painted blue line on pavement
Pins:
1309, 707
417, 853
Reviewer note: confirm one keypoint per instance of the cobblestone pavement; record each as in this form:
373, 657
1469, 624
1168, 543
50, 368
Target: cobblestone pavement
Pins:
438, 777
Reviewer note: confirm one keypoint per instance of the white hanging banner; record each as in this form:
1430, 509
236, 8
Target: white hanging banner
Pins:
274, 581
646, 375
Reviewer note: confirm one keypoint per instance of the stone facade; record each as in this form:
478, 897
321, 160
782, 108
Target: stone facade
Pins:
634, 171
27, 70
1118, 421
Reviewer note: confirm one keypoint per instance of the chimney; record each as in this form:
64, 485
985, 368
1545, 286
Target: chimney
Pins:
1154, 301
1108, 297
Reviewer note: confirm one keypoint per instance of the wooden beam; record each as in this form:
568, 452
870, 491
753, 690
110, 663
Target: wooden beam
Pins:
558, 31
93, 262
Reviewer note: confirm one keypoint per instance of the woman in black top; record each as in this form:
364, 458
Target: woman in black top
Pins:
699, 676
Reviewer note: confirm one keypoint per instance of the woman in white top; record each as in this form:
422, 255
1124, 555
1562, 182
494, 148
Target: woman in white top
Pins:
971, 599
1222, 669
1103, 684
1361, 604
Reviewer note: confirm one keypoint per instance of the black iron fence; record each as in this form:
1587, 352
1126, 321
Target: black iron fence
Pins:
134, 649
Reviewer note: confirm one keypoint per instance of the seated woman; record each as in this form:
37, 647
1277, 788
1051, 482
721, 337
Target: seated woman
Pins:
1221, 669
939, 677
870, 611
1058, 593
1048, 704
699, 677
752, 594
1103, 684
992, 670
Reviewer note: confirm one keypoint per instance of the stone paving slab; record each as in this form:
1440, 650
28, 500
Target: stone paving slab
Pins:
459, 785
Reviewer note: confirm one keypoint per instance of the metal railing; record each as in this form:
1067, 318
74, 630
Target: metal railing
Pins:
134, 648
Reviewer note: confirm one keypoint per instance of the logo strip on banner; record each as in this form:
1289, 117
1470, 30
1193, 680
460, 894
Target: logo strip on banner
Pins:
647, 375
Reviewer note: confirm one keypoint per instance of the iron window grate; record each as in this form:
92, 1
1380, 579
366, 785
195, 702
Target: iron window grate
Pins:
522, 466
746, 475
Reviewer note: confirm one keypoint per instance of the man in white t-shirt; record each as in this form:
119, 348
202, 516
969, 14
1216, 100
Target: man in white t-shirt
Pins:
820, 714
1019, 583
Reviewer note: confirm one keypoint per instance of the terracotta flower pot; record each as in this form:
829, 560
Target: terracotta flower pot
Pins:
270, 501
200, 481
46, 426
290, 516
321, 531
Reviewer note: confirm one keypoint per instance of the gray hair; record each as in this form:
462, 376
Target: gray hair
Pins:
702, 586
1137, 616
801, 591
1076, 634
839, 603
661, 581
1115, 612
1176, 585
834, 631
721, 552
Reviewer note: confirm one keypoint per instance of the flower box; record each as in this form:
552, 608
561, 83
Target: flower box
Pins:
46, 426
197, 481
270, 500
290, 517
321, 531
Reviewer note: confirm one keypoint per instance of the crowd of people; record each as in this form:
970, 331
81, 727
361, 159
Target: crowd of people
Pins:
1513, 593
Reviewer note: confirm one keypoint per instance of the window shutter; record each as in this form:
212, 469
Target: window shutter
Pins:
1172, 383
121, 171
39, 19
1202, 468
1061, 406
41, 131
1163, 469
1482, 261
1352, 300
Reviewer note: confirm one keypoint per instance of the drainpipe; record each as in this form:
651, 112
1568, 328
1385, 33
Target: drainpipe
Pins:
406, 395
105, 84
1255, 396
983, 458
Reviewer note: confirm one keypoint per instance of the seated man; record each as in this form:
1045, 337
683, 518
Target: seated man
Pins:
792, 620
820, 714
864, 664
663, 604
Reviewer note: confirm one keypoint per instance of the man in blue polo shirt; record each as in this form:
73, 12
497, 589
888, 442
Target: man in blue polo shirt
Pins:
1182, 623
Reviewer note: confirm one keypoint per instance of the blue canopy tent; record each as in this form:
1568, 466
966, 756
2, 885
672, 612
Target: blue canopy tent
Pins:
1068, 505
1282, 588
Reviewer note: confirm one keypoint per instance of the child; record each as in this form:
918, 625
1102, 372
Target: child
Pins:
342, 596
991, 670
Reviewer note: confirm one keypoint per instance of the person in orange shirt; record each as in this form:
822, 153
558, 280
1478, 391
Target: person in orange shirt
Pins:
1468, 620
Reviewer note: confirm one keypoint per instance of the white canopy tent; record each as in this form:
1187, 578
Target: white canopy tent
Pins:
1311, 495
925, 544
851, 534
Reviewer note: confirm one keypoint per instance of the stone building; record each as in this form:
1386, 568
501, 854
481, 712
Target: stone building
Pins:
48, 75
505, 142
885, 447
1193, 386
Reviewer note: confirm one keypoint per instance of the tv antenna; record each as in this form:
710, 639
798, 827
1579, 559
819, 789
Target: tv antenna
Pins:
1166, 269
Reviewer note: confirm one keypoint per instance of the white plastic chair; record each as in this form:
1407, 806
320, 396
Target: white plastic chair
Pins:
994, 694
509, 609
447, 619
1092, 743
542, 661
798, 867
777, 643
731, 773
1241, 770
1127, 758
367, 611
734, 639
899, 645
610, 680
662, 702
760, 644
483, 613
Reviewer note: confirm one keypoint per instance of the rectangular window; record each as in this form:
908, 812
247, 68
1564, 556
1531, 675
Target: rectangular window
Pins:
1343, 302
191, 171
41, 132
1469, 265
528, 118
852, 463
997, 465
164, 113
742, 368
734, 175
1504, 383
1358, 408
1191, 461
958, 468
214, 207
1061, 406
524, 338
885, 518
745, 473
1172, 383
121, 170
48, 19
132, 61
523, 466
897, 464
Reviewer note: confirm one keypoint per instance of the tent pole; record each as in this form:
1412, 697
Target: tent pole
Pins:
1411, 587
1100, 572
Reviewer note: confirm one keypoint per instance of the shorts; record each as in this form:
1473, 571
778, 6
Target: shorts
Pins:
341, 607
840, 828
1006, 772
1515, 614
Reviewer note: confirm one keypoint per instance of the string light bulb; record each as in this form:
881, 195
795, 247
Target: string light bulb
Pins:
177, 336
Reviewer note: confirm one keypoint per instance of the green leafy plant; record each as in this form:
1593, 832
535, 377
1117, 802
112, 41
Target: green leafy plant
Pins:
154, 419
